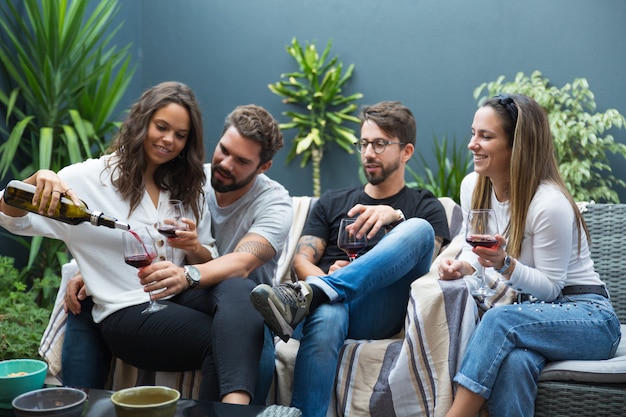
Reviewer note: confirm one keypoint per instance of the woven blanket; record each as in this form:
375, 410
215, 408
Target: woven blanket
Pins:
412, 375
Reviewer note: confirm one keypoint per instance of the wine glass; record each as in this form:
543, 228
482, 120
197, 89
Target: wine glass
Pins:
481, 231
347, 240
139, 251
169, 214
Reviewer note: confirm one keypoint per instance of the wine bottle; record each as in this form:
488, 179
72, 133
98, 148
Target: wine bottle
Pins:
20, 194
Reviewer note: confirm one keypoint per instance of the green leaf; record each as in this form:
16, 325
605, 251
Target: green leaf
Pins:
45, 147
580, 132
315, 89
305, 143
454, 162
72, 144
9, 148
64, 81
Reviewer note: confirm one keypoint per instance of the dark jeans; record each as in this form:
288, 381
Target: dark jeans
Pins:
214, 329
85, 359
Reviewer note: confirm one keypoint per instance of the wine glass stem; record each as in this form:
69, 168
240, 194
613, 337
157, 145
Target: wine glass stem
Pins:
483, 282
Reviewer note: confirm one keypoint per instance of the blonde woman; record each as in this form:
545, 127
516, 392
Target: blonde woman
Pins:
543, 251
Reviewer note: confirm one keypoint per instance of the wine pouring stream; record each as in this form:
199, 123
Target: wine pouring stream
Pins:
139, 252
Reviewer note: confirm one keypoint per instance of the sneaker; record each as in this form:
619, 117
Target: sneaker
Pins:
282, 306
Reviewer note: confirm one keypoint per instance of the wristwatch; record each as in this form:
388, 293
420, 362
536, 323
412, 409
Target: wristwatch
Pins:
393, 224
505, 266
193, 275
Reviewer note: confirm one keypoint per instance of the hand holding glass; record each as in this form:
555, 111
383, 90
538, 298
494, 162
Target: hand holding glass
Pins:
481, 231
347, 240
170, 213
139, 251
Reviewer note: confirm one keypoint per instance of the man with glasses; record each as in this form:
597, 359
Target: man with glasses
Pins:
367, 298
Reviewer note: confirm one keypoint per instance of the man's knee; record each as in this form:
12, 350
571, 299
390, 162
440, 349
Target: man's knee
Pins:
328, 321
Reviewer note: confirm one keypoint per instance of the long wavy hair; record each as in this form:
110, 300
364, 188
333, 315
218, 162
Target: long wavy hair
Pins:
183, 176
533, 162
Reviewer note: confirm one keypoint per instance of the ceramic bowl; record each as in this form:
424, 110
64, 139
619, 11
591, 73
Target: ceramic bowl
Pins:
50, 402
18, 376
145, 401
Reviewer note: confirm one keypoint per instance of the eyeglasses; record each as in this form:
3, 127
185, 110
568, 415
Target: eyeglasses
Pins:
379, 145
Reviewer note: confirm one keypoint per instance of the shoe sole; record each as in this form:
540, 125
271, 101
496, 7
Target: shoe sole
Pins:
264, 304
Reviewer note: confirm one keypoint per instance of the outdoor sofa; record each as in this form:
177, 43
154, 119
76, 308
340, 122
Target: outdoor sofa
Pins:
411, 373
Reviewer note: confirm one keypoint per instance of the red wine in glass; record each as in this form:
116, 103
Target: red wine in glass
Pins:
170, 213
139, 252
347, 240
168, 230
352, 249
138, 261
484, 241
480, 231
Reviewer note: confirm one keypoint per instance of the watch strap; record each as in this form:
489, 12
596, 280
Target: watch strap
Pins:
192, 282
393, 224
505, 266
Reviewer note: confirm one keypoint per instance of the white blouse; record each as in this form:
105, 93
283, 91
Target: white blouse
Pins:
549, 259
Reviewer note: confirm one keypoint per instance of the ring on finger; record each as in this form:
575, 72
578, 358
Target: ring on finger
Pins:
57, 191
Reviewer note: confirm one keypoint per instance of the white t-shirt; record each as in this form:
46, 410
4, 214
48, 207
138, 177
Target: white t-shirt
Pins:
549, 259
98, 250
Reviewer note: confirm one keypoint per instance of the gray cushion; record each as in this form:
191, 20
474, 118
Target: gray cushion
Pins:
607, 371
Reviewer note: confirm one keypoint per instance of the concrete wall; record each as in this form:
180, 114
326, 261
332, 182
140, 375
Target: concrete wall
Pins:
429, 54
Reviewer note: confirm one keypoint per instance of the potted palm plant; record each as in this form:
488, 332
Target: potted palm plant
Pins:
316, 89
62, 81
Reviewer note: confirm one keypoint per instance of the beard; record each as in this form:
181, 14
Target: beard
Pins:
385, 172
221, 187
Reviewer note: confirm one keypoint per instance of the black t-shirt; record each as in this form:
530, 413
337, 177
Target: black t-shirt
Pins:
333, 205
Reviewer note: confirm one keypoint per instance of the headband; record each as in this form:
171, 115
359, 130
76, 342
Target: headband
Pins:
507, 102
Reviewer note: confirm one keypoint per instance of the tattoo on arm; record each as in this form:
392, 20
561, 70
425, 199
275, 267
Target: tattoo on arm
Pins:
311, 247
263, 251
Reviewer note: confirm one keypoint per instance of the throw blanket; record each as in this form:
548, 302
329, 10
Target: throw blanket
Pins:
415, 375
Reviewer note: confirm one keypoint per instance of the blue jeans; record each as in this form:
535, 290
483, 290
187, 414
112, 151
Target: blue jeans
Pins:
512, 343
368, 301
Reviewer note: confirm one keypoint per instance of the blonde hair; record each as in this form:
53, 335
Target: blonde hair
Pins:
533, 162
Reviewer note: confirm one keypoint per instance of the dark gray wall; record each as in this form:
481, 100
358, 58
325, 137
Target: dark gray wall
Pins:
429, 54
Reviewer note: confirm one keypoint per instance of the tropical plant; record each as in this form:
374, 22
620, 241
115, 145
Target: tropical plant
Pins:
581, 148
62, 82
454, 162
317, 89
23, 315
